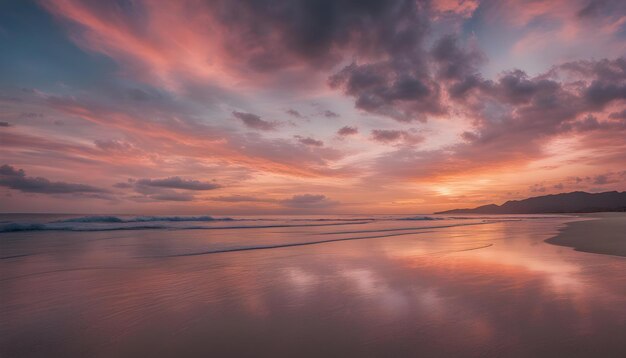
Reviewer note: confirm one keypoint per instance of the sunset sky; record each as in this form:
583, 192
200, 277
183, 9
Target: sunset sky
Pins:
291, 106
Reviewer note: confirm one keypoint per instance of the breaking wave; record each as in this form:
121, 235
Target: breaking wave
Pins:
128, 225
17, 227
420, 218
139, 219
14, 227
205, 222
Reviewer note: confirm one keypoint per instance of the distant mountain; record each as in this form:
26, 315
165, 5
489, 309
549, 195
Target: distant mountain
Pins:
575, 202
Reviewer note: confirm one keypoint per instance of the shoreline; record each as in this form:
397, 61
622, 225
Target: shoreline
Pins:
604, 234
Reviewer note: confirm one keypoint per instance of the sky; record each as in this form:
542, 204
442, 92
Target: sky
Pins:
307, 107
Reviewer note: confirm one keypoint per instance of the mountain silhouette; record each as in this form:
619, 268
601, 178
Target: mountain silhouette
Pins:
575, 202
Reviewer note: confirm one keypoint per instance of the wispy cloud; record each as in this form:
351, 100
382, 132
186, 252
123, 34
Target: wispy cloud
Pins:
195, 98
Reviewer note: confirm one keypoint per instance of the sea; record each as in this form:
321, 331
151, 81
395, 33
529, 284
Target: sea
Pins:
304, 286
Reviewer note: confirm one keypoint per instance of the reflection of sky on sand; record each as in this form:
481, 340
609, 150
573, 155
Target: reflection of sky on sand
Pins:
509, 247
404, 295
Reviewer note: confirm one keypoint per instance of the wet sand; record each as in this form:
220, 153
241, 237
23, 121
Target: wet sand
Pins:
441, 289
603, 233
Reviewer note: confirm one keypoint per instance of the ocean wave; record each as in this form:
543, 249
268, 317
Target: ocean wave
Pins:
420, 218
57, 226
179, 218
316, 219
139, 219
15, 227
92, 219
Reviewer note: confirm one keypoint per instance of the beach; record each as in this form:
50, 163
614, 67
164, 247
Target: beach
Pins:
602, 233
367, 286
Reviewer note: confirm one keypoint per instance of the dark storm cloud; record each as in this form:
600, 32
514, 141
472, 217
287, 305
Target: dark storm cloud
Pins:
114, 146
588, 123
178, 183
386, 136
309, 201
16, 179
591, 123
316, 31
390, 76
608, 80
255, 122
393, 136
7, 170
457, 66
516, 115
453, 61
346, 131
4, 124
167, 189
458, 89
391, 89
530, 108
173, 196
241, 199
517, 88
601, 93
603, 70
309, 141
